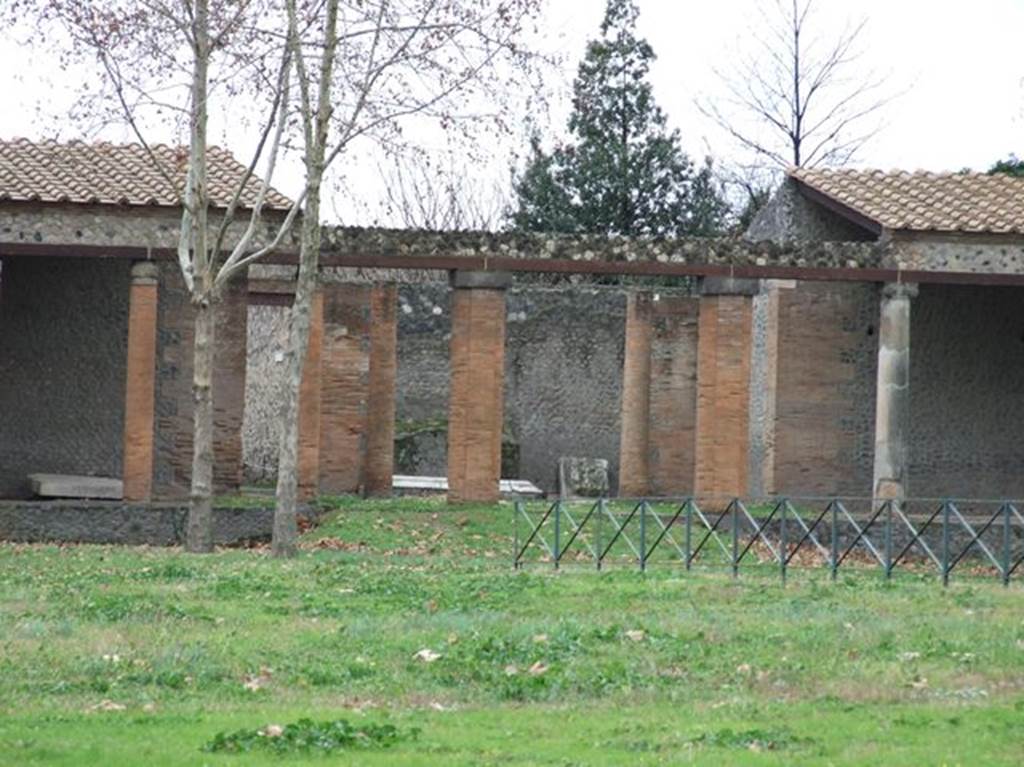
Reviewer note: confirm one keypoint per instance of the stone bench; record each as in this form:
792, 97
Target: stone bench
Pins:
71, 486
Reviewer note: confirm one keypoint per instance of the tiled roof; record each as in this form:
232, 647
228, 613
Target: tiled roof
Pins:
935, 202
78, 172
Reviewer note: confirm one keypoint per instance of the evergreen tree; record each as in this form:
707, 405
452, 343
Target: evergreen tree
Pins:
623, 171
1011, 166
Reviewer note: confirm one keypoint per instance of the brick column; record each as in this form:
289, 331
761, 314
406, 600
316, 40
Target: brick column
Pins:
892, 401
723, 387
658, 396
309, 404
477, 380
345, 371
380, 422
137, 470
673, 395
634, 474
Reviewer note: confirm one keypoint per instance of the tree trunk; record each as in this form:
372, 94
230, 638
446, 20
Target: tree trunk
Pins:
285, 524
200, 513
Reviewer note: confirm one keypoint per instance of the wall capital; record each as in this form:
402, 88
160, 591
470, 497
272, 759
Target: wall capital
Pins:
145, 273
893, 290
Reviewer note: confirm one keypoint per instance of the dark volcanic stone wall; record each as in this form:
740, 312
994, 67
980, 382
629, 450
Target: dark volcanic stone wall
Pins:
63, 331
967, 392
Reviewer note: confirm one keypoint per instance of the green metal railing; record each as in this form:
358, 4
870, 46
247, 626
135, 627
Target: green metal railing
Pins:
824, 532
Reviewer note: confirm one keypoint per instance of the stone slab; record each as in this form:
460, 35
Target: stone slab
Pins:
508, 487
71, 486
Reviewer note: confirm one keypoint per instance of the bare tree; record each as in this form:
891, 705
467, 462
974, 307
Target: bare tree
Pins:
172, 57
799, 99
421, 194
364, 69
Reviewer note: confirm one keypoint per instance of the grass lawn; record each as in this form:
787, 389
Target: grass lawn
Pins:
407, 615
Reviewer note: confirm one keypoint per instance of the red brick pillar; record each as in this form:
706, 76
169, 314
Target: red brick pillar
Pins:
137, 470
345, 372
656, 456
673, 396
477, 381
723, 388
309, 404
634, 476
380, 416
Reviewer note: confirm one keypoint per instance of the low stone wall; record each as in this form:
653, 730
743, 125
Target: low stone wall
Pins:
155, 524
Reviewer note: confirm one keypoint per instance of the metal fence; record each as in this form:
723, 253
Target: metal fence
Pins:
986, 537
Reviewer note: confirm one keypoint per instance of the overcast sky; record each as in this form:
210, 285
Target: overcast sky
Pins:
959, 67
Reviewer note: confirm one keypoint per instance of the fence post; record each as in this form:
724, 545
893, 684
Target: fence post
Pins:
735, 538
689, 531
1007, 543
834, 564
888, 539
558, 532
597, 532
516, 511
643, 536
783, 543
945, 543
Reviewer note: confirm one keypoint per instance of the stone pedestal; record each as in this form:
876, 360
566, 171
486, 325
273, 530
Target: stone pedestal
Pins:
137, 471
892, 403
477, 386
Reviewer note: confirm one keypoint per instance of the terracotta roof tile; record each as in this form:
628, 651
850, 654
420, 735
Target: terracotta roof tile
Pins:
77, 172
939, 202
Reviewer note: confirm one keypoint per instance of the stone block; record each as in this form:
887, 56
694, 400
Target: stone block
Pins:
582, 477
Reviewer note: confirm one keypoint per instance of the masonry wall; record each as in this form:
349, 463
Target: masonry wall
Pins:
63, 333
563, 377
825, 389
967, 392
563, 380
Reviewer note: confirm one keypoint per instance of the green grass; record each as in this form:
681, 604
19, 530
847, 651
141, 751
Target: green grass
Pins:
113, 656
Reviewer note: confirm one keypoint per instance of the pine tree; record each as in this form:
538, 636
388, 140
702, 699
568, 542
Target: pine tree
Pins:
623, 171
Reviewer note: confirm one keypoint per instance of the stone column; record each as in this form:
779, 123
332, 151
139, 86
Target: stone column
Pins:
380, 416
634, 470
725, 332
892, 399
476, 417
309, 404
137, 470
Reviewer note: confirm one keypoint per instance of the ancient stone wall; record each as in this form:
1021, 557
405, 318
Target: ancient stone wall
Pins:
967, 392
825, 389
563, 380
63, 334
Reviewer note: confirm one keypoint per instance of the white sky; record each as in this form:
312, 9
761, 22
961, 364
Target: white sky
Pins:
959, 66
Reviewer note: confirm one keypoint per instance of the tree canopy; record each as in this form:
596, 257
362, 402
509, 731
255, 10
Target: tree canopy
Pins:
1011, 166
622, 171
